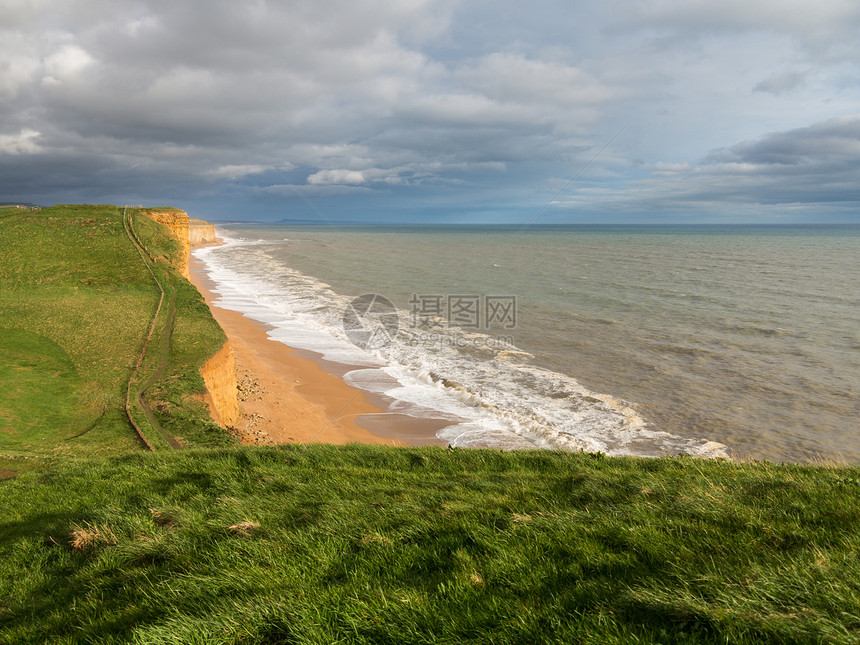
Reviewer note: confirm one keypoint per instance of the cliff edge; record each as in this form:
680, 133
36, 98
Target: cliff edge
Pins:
177, 222
219, 372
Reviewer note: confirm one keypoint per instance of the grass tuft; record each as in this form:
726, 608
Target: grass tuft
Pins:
89, 536
245, 528
162, 518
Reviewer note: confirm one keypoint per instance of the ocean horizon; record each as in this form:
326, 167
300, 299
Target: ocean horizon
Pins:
705, 339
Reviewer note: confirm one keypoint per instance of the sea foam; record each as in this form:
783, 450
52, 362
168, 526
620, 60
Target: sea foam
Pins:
492, 397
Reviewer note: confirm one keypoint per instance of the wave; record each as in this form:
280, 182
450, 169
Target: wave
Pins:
490, 392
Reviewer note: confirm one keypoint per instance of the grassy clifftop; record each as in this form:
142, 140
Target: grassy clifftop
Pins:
76, 304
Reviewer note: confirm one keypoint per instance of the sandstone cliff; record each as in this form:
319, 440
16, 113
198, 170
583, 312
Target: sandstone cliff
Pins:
219, 374
177, 221
200, 232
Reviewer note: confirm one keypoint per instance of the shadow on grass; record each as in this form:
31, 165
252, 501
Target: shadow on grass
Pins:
44, 526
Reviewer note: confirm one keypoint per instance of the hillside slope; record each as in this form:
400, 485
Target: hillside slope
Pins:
76, 305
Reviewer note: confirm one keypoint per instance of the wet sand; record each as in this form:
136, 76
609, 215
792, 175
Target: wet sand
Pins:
292, 396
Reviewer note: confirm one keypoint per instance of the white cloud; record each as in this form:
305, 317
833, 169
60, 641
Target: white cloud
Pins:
351, 177
67, 63
234, 172
22, 143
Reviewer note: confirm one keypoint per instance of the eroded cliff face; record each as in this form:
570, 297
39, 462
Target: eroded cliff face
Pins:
219, 374
177, 221
200, 232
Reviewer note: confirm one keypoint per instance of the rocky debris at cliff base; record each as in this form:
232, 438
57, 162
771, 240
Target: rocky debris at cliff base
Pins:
250, 388
250, 433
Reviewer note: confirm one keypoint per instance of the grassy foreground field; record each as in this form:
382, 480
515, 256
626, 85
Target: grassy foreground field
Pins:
364, 544
76, 303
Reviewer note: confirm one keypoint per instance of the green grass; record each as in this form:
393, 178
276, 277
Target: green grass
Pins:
76, 301
380, 545
33, 363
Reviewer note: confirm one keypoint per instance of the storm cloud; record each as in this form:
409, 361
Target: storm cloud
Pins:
433, 110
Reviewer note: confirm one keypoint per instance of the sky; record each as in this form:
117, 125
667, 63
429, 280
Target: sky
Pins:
436, 111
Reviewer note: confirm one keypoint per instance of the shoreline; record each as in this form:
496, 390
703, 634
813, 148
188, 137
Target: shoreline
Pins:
287, 395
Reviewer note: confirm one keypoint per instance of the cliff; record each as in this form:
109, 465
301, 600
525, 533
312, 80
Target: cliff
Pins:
200, 232
177, 222
219, 374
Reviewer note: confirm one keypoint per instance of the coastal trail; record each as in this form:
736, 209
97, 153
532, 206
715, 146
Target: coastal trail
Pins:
161, 436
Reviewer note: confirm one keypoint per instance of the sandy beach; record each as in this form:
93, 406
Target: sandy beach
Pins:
285, 395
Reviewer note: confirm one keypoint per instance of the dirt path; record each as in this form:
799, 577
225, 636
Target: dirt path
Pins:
164, 347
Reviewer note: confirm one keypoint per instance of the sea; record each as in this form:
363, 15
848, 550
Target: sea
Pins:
712, 341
